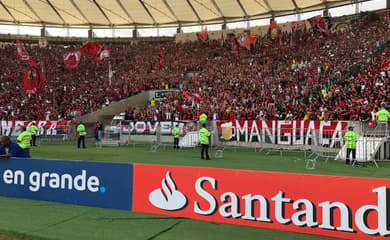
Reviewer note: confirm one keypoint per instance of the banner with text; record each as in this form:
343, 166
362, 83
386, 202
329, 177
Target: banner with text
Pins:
107, 185
325, 133
151, 127
335, 206
45, 128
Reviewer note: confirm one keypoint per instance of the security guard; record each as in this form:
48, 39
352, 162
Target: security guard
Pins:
176, 136
204, 135
81, 131
24, 139
34, 131
203, 117
382, 116
351, 138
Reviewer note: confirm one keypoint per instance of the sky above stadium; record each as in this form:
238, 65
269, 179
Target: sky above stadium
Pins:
147, 32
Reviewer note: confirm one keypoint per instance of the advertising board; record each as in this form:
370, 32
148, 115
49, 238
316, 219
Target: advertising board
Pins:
283, 132
335, 206
107, 185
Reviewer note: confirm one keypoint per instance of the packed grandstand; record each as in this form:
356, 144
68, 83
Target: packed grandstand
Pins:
302, 74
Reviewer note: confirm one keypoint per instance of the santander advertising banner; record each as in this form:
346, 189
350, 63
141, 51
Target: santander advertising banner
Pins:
335, 206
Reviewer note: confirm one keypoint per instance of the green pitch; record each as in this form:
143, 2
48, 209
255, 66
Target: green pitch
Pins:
27, 219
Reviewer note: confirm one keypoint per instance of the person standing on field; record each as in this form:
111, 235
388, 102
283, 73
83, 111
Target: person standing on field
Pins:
24, 139
81, 132
176, 136
351, 138
34, 131
204, 135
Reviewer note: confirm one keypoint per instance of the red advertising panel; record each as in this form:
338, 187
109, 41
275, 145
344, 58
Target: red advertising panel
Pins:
336, 206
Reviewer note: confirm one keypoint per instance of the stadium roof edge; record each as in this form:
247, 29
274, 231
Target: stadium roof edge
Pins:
146, 14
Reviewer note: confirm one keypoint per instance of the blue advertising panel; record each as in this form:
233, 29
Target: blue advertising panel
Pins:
98, 184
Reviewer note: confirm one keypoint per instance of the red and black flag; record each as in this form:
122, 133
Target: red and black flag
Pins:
102, 53
33, 78
246, 40
96, 50
192, 96
321, 24
203, 35
273, 30
233, 43
21, 52
71, 59
298, 25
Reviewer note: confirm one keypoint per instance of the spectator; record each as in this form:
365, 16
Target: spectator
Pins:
11, 149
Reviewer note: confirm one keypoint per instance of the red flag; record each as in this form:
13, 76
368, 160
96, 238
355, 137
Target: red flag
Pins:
320, 24
32, 79
90, 48
71, 59
274, 30
251, 39
187, 96
37, 77
96, 50
197, 96
245, 40
22, 52
28, 82
203, 35
298, 25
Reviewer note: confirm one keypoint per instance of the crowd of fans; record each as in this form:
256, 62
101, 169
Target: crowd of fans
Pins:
301, 75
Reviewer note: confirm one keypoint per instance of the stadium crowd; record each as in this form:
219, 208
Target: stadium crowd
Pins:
300, 75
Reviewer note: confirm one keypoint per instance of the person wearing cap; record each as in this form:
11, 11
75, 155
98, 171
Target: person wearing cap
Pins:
11, 149
204, 135
81, 132
350, 139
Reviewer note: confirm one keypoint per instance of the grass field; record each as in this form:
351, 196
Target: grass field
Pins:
28, 219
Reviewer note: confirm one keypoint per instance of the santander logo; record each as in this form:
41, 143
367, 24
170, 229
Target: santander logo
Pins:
168, 198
